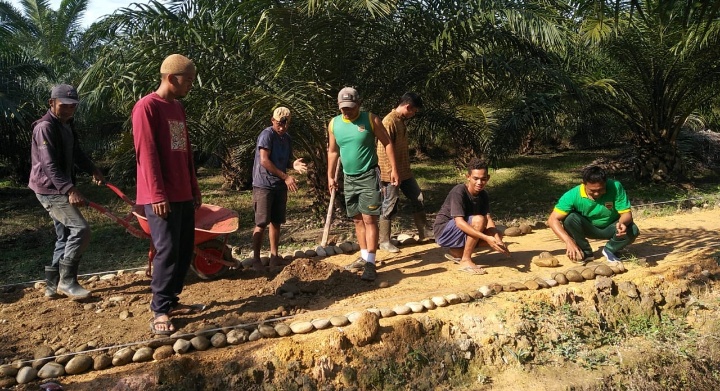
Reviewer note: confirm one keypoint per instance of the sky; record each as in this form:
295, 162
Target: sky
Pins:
95, 10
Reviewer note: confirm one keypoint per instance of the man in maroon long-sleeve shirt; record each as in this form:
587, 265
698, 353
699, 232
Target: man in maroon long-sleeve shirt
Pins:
167, 186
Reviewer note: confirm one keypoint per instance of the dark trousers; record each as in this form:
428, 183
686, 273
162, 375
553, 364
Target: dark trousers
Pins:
174, 241
580, 228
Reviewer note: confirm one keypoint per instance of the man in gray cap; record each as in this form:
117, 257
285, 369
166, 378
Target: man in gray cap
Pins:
351, 138
55, 152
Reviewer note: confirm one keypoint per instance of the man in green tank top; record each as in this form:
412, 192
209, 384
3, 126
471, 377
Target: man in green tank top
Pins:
351, 138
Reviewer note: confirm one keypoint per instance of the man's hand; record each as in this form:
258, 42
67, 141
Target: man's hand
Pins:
332, 185
76, 198
498, 245
98, 177
291, 183
620, 229
574, 252
197, 201
394, 177
299, 166
161, 209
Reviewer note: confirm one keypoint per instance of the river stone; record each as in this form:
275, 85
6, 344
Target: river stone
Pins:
311, 253
79, 364
560, 278
200, 343
353, 316
453, 298
207, 331
267, 331
387, 312
532, 285
518, 286
283, 330
50, 370
604, 270
402, 309
406, 240
61, 356
123, 356
320, 251
588, 274
339, 321
299, 254
525, 229
546, 262
614, 268
513, 231
17, 364
237, 336
346, 247
542, 283
475, 294
301, 327
551, 283
428, 304
8, 381
574, 276
356, 246
143, 354
329, 250
106, 277
247, 263
42, 355
102, 361
485, 291
181, 346
620, 266
218, 340
439, 301
8, 371
375, 311
163, 352
320, 324
287, 257
464, 297
495, 287
384, 284
26, 375
509, 288
338, 250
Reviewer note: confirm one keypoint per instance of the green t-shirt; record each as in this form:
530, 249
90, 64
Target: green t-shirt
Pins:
601, 212
356, 140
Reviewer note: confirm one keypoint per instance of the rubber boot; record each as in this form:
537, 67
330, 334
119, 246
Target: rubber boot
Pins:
384, 236
421, 224
52, 277
68, 284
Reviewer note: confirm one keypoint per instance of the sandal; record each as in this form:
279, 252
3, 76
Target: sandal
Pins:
184, 309
169, 328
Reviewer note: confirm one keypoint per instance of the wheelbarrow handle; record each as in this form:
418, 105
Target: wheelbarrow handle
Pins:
120, 194
138, 233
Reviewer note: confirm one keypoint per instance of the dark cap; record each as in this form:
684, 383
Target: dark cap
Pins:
65, 93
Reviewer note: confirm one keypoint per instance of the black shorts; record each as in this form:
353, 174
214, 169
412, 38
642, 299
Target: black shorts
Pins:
270, 205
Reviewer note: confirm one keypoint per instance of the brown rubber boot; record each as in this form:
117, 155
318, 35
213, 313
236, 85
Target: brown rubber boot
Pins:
384, 236
424, 234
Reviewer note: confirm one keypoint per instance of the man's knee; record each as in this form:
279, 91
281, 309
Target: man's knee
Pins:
479, 222
573, 220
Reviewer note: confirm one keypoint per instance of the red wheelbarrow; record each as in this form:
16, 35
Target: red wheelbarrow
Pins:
212, 256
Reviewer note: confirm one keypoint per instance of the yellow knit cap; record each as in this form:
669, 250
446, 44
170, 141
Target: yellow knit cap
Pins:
177, 64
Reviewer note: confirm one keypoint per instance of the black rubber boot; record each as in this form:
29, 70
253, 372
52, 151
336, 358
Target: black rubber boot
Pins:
68, 285
421, 224
52, 277
384, 237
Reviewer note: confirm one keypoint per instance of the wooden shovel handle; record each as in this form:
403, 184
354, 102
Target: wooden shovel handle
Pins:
328, 218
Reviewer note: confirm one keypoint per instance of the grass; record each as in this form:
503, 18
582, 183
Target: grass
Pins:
521, 189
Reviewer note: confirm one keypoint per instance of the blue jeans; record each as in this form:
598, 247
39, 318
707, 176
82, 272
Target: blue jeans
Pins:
71, 228
412, 192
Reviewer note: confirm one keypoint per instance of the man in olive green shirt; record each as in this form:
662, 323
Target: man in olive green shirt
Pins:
597, 209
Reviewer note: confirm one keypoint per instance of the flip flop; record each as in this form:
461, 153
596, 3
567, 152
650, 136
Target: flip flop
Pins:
475, 270
170, 328
184, 309
451, 258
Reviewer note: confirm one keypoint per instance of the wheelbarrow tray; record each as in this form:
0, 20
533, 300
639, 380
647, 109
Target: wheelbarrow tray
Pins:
211, 221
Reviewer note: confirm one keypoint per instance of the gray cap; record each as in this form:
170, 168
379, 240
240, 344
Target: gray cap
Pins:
65, 93
348, 97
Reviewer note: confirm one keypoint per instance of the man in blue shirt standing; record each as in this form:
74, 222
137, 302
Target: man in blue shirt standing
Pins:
271, 183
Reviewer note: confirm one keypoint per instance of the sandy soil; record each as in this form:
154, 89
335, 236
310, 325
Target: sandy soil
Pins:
119, 314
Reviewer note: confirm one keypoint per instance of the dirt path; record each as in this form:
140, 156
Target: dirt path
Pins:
119, 314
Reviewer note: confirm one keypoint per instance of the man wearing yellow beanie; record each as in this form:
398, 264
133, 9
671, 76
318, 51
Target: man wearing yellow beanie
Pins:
167, 186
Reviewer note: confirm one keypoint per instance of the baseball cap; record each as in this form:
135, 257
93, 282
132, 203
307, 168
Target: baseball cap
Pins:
65, 93
281, 114
348, 97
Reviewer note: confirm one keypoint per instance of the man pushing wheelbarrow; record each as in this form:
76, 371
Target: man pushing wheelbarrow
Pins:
167, 187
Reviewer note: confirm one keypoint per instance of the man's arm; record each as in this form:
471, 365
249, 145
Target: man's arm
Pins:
148, 159
333, 157
270, 166
383, 137
555, 221
623, 223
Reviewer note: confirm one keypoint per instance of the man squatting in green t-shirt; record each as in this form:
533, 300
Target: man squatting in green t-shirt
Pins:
351, 137
596, 209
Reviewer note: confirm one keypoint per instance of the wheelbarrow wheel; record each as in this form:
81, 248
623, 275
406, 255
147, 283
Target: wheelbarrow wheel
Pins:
206, 268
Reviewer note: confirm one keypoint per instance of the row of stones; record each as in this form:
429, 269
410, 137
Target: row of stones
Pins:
213, 336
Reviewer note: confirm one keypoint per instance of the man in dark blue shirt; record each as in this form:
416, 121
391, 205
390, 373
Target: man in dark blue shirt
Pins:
271, 183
